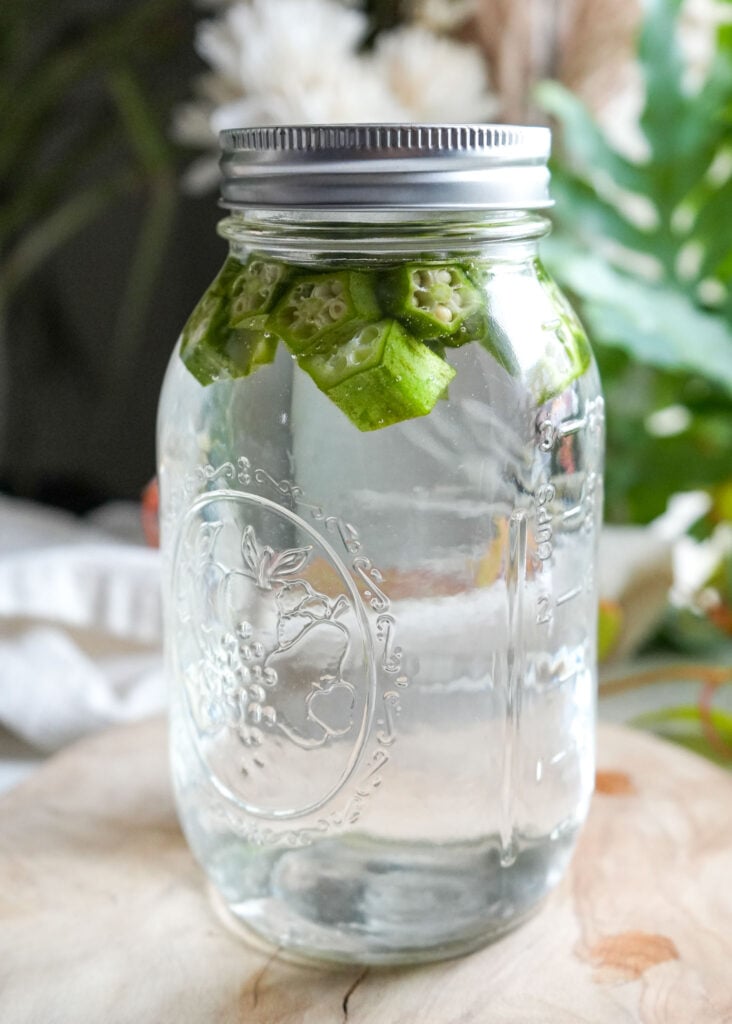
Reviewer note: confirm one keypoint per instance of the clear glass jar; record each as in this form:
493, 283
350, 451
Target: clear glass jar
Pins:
380, 601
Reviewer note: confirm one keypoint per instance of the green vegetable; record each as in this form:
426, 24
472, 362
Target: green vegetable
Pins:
254, 290
431, 300
380, 376
213, 350
566, 357
325, 307
375, 369
567, 354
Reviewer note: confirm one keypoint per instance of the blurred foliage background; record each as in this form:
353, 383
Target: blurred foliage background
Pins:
96, 272
103, 253
645, 248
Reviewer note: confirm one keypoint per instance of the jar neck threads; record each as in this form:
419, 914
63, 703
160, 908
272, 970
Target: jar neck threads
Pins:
307, 234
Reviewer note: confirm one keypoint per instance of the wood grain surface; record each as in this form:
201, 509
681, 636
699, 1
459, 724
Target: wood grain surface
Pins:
104, 918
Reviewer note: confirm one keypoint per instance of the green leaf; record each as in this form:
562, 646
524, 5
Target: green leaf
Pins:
685, 134
58, 227
712, 212
656, 323
583, 140
109, 43
662, 67
141, 125
644, 247
684, 725
588, 216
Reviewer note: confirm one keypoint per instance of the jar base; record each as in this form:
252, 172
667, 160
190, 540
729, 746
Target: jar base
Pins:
376, 910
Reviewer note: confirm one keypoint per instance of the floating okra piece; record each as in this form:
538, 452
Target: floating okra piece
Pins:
255, 289
567, 353
431, 300
322, 307
211, 349
379, 376
566, 356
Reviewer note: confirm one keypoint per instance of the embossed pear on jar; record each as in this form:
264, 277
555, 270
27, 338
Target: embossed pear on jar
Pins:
275, 651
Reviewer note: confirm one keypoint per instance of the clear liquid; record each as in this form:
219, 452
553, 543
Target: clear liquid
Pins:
428, 871
362, 901
381, 652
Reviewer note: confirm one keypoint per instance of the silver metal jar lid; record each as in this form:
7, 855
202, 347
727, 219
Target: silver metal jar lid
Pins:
386, 167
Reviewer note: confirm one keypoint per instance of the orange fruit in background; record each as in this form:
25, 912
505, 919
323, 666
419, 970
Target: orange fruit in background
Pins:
149, 513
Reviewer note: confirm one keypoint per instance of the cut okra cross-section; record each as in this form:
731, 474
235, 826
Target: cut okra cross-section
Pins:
431, 300
211, 348
380, 375
254, 290
323, 307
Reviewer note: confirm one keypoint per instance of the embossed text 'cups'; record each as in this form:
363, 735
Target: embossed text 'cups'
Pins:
380, 464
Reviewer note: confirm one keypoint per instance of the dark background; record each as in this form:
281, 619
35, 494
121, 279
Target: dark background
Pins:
84, 349
81, 427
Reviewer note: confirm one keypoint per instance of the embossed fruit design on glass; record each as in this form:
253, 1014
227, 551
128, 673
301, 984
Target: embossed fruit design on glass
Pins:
380, 459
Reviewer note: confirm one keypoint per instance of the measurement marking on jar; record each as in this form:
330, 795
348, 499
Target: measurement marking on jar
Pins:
544, 612
572, 426
547, 435
570, 513
569, 595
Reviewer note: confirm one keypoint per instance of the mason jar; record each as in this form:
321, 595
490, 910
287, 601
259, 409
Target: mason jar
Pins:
380, 466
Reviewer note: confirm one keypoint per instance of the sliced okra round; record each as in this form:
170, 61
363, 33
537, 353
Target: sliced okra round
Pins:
379, 376
431, 300
320, 307
255, 289
211, 349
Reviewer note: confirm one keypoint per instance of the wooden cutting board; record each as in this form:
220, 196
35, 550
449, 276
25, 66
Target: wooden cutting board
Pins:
104, 918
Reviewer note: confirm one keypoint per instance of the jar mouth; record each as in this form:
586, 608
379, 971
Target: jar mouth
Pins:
381, 167
312, 234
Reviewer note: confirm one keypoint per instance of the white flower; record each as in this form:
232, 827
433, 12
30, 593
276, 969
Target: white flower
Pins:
299, 62
434, 78
279, 62
260, 46
699, 22
442, 15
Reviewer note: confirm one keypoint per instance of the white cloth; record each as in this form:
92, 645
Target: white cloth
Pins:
80, 623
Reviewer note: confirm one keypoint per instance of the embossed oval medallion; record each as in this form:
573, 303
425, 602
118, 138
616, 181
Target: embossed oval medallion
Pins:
274, 652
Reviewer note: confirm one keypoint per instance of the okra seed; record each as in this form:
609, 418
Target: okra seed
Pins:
337, 308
